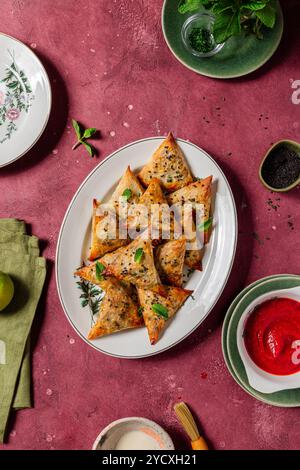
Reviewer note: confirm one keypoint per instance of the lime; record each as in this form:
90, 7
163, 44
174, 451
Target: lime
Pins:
6, 290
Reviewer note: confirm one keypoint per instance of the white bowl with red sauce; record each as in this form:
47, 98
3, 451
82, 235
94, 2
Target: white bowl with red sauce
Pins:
268, 340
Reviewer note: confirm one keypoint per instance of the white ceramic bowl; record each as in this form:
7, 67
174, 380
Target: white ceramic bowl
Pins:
260, 380
111, 435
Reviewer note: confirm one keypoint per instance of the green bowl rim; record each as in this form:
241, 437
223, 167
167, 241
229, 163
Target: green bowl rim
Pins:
264, 183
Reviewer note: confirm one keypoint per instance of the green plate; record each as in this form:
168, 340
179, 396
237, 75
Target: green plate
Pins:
284, 398
240, 55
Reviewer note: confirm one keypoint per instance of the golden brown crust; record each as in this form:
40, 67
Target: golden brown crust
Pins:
88, 273
170, 261
168, 164
148, 212
193, 259
155, 323
101, 245
198, 192
117, 311
124, 266
128, 181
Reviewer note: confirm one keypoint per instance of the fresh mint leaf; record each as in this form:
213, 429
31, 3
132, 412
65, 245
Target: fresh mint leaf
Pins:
160, 310
221, 6
77, 129
227, 24
127, 193
138, 256
100, 268
205, 226
89, 133
188, 5
267, 16
234, 15
254, 5
82, 135
89, 148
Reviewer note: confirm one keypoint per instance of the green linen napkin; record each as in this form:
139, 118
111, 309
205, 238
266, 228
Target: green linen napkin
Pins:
19, 257
26, 245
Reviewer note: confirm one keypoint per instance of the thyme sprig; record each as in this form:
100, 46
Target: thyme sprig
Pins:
91, 296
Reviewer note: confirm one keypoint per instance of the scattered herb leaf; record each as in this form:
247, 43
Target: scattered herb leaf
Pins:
77, 129
89, 133
139, 255
127, 193
82, 135
100, 268
160, 310
205, 226
91, 150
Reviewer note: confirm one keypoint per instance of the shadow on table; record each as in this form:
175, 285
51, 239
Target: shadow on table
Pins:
237, 278
290, 43
55, 127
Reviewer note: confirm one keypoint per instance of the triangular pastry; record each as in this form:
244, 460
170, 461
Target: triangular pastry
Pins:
117, 311
134, 263
128, 187
198, 192
169, 261
157, 309
149, 213
168, 165
103, 240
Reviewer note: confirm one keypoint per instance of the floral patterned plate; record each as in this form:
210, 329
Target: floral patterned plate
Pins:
25, 99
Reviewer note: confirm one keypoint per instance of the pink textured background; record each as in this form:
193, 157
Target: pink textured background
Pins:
103, 56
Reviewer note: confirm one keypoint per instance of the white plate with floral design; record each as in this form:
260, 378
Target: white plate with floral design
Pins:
25, 99
74, 242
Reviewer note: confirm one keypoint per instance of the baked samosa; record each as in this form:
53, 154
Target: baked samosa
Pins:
169, 261
134, 263
168, 164
157, 309
117, 311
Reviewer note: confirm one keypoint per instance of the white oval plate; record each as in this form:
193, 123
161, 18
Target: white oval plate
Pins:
74, 238
259, 379
25, 99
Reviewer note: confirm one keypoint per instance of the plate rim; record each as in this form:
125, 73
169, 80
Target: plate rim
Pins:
58, 287
49, 94
263, 397
222, 77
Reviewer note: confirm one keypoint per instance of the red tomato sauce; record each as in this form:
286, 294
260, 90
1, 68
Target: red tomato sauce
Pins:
269, 334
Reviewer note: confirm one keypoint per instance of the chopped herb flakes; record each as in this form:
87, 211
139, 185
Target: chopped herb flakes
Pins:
140, 311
